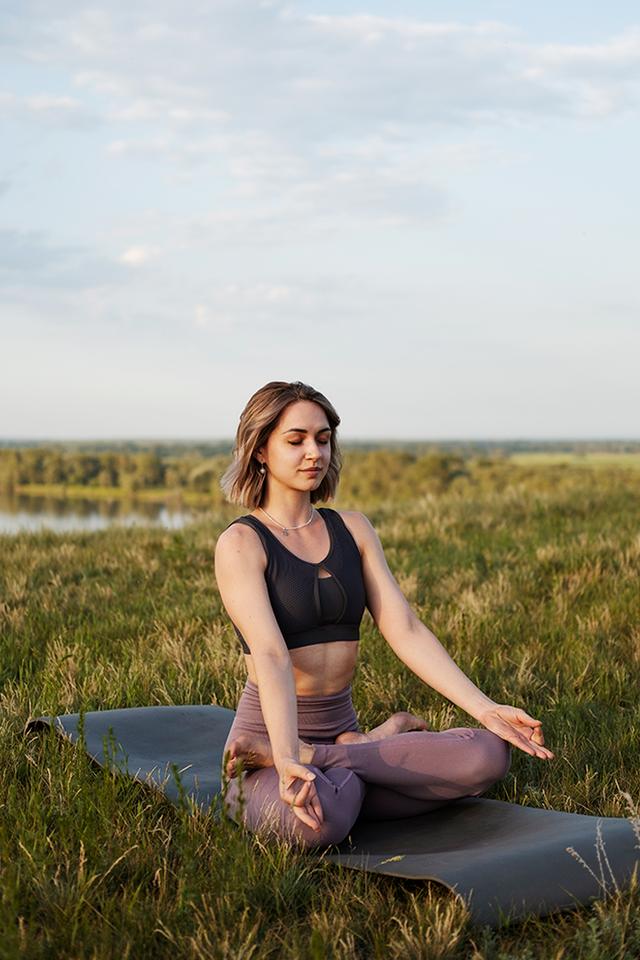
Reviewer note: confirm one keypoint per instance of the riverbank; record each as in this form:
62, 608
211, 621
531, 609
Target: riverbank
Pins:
177, 496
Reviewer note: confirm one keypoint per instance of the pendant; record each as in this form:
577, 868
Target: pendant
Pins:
285, 532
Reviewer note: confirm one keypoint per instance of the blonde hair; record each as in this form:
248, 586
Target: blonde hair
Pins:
242, 481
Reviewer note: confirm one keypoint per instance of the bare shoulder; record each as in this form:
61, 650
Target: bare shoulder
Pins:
239, 543
360, 528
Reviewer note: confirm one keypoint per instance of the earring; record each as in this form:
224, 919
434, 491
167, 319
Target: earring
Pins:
263, 470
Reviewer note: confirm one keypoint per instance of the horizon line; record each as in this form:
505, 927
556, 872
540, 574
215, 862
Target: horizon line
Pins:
343, 439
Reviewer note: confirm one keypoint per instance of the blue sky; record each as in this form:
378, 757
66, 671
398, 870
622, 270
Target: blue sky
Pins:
426, 210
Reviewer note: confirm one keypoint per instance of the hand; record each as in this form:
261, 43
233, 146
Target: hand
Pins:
516, 727
303, 800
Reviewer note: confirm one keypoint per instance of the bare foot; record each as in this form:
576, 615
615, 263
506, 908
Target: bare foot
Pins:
255, 752
401, 722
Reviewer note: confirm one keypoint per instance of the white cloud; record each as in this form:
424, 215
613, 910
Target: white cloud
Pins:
620, 53
138, 256
201, 316
315, 120
313, 77
54, 110
211, 317
45, 103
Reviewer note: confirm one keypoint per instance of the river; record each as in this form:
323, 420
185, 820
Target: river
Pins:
20, 513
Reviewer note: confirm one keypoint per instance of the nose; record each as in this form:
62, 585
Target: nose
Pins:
313, 453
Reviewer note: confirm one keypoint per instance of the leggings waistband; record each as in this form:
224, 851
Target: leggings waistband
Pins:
307, 701
320, 716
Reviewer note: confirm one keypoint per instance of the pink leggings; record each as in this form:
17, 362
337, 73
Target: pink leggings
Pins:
401, 776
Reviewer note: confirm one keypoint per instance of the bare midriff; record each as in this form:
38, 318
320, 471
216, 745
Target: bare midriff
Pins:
320, 669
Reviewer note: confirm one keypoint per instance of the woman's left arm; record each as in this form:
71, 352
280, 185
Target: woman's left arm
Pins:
423, 653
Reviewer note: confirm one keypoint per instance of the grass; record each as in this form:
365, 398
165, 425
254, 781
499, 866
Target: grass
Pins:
534, 592
590, 460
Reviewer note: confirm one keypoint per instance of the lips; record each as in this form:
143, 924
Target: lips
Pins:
312, 470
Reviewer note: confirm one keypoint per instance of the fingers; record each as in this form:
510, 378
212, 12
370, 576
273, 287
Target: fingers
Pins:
526, 717
530, 739
308, 816
537, 736
299, 797
305, 804
527, 746
316, 806
526, 740
302, 800
517, 715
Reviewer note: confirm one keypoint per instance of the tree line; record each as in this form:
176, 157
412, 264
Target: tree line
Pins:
365, 472
124, 471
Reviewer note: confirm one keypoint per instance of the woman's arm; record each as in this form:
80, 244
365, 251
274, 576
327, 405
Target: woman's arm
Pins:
423, 653
239, 565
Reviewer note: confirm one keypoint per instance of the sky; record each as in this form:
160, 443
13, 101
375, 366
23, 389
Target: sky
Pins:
427, 210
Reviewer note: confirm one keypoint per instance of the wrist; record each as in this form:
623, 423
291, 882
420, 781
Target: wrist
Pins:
281, 762
480, 706
304, 756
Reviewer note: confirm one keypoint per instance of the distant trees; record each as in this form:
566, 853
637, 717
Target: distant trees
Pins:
398, 474
123, 471
9, 470
47, 466
367, 474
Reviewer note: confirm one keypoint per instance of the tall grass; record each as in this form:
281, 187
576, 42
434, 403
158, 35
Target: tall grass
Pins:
534, 590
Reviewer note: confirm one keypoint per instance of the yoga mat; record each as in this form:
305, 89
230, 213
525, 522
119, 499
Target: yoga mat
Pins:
504, 860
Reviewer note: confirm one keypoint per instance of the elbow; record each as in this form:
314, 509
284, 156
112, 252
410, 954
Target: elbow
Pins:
271, 659
401, 631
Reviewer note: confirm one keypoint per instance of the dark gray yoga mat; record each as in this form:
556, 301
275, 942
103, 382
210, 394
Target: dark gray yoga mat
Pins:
502, 859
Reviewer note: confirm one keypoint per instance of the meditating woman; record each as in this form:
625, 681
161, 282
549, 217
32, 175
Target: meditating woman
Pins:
295, 581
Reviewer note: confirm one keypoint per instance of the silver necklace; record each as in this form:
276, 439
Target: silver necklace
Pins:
285, 530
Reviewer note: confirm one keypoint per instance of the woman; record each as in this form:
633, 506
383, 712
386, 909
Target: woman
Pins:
295, 581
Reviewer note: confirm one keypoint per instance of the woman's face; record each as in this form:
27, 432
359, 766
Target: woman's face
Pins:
301, 439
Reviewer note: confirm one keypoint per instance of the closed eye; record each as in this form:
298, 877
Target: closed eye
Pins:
296, 443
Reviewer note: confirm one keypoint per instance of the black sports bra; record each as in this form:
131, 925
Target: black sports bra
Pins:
308, 608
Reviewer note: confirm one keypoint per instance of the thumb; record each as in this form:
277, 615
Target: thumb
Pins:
301, 772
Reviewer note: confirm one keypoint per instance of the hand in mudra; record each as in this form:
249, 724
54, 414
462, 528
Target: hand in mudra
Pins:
517, 727
298, 791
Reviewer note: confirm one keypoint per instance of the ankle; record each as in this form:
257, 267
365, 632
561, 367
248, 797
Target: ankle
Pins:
307, 752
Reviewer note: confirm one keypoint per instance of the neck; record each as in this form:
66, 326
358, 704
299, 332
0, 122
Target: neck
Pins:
290, 507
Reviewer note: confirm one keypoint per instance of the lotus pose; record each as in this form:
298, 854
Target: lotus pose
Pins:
295, 581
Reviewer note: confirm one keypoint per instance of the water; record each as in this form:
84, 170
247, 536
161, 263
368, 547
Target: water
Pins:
19, 513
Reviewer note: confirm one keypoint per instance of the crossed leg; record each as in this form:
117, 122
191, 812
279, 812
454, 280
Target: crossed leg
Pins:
260, 808
401, 775
417, 772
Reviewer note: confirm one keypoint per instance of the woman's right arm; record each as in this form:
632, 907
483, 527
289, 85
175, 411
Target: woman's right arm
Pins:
239, 567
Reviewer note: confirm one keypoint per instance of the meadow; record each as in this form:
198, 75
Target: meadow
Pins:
527, 574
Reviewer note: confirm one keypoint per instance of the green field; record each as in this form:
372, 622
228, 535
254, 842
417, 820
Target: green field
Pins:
530, 579
595, 459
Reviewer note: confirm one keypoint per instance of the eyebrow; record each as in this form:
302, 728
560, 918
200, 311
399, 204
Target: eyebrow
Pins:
303, 430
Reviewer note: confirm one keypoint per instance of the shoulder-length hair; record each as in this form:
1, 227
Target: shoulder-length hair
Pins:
242, 481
